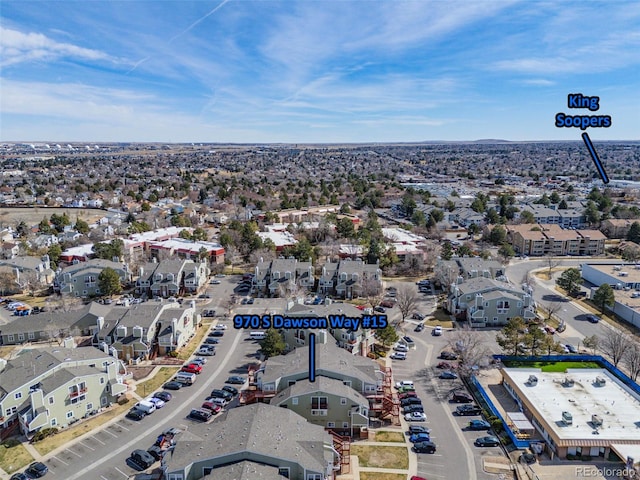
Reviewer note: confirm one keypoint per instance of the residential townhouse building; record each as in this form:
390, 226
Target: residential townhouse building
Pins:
81, 279
250, 441
465, 217
358, 342
282, 275
28, 270
616, 227
171, 278
54, 387
543, 239
326, 402
53, 326
146, 330
350, 279
487, 302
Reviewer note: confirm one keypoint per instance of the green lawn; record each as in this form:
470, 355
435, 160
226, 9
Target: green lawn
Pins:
552, 366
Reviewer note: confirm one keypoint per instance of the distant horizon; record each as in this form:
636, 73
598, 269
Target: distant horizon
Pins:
331, 72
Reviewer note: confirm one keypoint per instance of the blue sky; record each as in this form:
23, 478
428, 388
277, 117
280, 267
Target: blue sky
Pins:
314, 71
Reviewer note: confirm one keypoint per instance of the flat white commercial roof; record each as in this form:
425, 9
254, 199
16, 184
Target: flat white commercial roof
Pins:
616, 404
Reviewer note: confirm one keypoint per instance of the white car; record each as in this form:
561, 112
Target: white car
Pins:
401, 348
399, 356
416, 417
206, 352
200, 360
220, 326
437, 331
159, 403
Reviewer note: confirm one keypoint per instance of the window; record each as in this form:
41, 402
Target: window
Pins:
18, 395
331, 424
283, 471
79, 399
101, 380
54, 422
89, 406
319, 403
294, 401
347, 383
51, 400
69, 414
345, 424
343, 401
31, 335
104, 401
10, 338
20, 337
314, 476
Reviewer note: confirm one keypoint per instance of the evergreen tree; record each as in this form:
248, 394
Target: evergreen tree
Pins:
109, 282
634, 233
387, 335
273, 344
570, 280
604, 296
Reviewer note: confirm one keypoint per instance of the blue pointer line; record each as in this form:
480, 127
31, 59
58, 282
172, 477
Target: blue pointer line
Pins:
312, 357
596, 159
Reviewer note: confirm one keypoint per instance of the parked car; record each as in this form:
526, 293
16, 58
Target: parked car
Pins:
468, 409
413, 408
199, 414
379, 309
19, 476
156, 452
488, 441
250, 301
419, 327
236, 380
221, 394
571, 348
206, 352
415, 477
212, 407
406, 389
479, 425
593, 318
417, 316
401, 348
446, 366
419, 437
192, 368
217, 333
424, 447
407, 394
208, 313
415, 417
158, 402
215, 282
232, 390
410, 401
461, 397
222, 402
437, 331
388, 303
135, 414
418, 429
211, 341
448, 355
172, 385
37, 470
448, 375
404, 383
398, 356
220, 326
142, 459
164, 396
199, 361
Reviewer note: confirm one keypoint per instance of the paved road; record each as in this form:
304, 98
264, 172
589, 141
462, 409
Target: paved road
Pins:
456, 457
575, 317
103, 455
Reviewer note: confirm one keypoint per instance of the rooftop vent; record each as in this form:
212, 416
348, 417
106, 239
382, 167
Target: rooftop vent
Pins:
533, 380
600, 382
567, 418
568, 382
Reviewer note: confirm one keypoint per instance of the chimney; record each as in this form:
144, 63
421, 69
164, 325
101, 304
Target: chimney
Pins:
100, 322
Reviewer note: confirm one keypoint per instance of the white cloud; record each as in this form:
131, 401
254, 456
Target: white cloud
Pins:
18, 47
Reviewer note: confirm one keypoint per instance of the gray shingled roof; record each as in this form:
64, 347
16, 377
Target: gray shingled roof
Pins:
95, 264
258, 429
245, 470
482, 284
330, 358
322, 384
57, 319
31, 364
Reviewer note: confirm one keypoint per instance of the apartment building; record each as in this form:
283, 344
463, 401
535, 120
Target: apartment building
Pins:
81, 279
282, 275
543, 239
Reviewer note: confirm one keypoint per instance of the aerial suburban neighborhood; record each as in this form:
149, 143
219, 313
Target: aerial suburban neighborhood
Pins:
510, 294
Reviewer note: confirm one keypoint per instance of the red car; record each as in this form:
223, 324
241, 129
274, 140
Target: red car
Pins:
192, 368
212, 407
415, 477
447, 365
387, 303
404, 395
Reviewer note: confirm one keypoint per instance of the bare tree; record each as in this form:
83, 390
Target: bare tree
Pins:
406, 300
471, 349
615, 343
7, 282
371, 289
64, 303
553, 308
447, 273
550, 262
591, 342
28, 281
631, 359
262, 253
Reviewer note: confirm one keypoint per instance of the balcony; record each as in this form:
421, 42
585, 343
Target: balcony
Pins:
77, 393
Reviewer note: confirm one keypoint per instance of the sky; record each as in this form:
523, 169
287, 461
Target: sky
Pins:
311, 71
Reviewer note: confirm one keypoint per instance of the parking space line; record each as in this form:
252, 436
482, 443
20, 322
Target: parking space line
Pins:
122, 426
61, 461
98, 440
112, 434
76, 454
103, 477
125, 475
85, 445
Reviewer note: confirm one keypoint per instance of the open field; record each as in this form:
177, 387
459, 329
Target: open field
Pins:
14, 458
63, 436
381, 476
12, 216
382, 457
389, 437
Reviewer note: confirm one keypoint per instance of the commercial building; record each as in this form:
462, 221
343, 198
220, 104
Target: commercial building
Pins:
580, 412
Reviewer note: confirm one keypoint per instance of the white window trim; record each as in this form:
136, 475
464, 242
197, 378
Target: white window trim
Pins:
294, 401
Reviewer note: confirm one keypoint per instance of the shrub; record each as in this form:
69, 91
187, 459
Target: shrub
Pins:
172, 354
44, 433
11, 442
